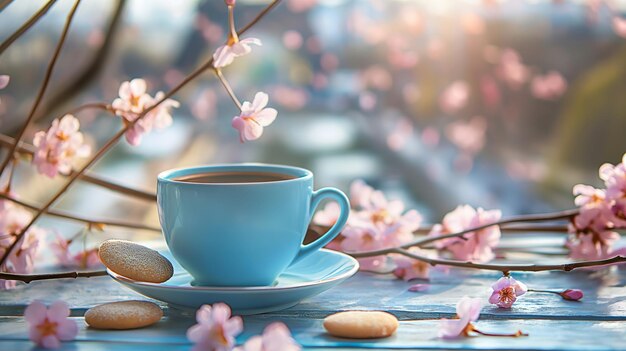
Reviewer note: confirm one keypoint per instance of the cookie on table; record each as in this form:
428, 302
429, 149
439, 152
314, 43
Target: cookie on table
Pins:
135, 261
123, 315
361, 324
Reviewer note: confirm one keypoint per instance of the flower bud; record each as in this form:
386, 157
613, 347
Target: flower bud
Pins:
230, 2
572, 294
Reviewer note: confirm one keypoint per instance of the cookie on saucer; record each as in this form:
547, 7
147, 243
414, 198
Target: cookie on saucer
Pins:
361, 324
123, 315
135, 261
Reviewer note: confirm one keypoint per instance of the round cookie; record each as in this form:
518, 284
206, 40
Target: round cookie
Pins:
361, 324
123, 315
135, 261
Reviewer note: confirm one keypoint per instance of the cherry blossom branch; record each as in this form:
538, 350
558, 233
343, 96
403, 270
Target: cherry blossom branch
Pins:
5, 3
514, 335
44, 86
94, 105
78, 218
90, 70
27, 278
7, 188
227, 87
207, 65
24, 148
26, 26
505, 269
515, 219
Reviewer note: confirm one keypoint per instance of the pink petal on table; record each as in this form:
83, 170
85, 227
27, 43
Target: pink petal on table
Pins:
418, 287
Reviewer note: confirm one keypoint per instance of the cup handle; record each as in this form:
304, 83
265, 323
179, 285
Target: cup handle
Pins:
344, 204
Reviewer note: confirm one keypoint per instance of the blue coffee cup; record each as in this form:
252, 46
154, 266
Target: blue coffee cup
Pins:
241, 233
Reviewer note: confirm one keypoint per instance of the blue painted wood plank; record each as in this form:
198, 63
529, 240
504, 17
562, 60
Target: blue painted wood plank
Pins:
544, 335
605, 295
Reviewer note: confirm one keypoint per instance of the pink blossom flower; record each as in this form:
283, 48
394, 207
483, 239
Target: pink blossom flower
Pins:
454, 97
592, 237
376, 223
361, 238
225, 54
85, 258
468, 136
548, 87
133, 101
490, 91
13, 219
160, 117
505, 292
614, 177
292, 98
511, 69
619, 26
467, 311
588, 195
328, 215
300, 5
4, 80
478, 246
59, 147
216, 329
572, 294
408, 268
276, 337
49, 326
254, 116
211, 31
360, 194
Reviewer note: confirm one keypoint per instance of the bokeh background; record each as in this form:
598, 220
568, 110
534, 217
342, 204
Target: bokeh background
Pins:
501, 104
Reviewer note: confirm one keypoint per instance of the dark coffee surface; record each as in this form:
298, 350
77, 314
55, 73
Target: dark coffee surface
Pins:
234, 177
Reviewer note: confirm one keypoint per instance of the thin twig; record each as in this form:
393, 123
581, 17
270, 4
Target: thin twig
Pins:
62, 214
24, 148
27, 278
26, 26
546, 291
227, 87
94, 105
91, 70
5, 3
207, 65
44, 86
515, 219
505, 269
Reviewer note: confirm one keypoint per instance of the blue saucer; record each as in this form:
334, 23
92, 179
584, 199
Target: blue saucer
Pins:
310, 276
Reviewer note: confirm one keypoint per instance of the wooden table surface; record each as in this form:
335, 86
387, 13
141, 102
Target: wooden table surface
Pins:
598, 322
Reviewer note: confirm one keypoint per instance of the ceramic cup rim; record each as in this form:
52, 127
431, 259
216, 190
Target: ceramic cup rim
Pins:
299, 174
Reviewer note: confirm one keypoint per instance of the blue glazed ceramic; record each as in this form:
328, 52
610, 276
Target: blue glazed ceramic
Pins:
308, 277
241, 234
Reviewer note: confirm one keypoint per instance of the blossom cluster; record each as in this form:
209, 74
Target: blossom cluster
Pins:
601, 212
132, 103
476, 246
84, 258
13, 219
374, 223
59, 147
378, 223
